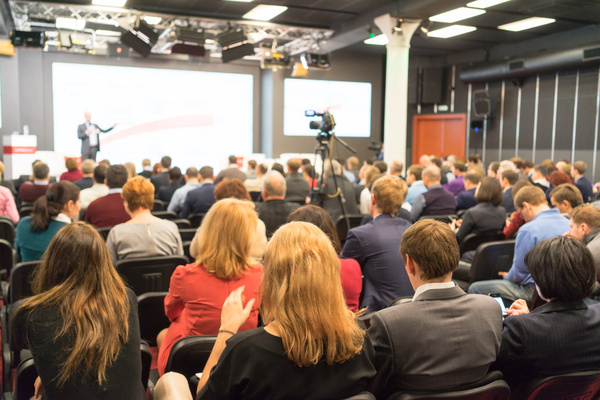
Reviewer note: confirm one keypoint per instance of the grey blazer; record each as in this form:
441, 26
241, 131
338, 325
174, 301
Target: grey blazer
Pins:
444, 339
85, 139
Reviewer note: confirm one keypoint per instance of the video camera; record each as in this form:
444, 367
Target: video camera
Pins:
325, 125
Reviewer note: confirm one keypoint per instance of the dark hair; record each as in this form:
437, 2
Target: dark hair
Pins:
41, 171
191, 172
494, 165
437, 161
568, 192
279, 168
264, 169
415, 170
174, 174
528, 164
252, 163
474, 158
100, 173
321, 218
231, 188
542, 169
207, 172
308, 169
306, 161
461, 167
232, 160
381, 166
473, 177
116, 176
489, 191
52, 203
563, 268
511, 176
165, 162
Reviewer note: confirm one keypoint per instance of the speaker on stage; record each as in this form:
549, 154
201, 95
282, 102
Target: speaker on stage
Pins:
481, 103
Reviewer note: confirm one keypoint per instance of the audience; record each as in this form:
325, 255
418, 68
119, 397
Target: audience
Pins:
466, 199
396, 168
231, 172
516, 220
144, 235
146, 169
371, 175
251, 172
179, 196
57, 208
584, 221
508, 179
8, 206
73, 173
131, 173
307, 173
539, 177
108, 211
414, 180
493, 170
561, 336
556, 178
341, 187
161, 178
231, 188
297, 188
223, 264
457, 185
279, 168
444, 338
87, 169
255, 184
166, 192
199, 200
97, 190
352, 169
565, 197
350, 272
81, 324
274, 210
31, 191
436, 200
582, 183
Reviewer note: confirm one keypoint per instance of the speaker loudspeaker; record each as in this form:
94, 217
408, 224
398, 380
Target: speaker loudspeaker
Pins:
481, 103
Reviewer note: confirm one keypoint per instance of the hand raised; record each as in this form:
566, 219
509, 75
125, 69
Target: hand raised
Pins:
234, 314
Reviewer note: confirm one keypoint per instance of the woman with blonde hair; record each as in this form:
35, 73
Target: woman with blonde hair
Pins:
131, 173
81, 324
224, 246
311, 346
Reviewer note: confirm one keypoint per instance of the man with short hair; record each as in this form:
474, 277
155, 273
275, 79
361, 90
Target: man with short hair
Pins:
166, 192
508, 178
251, 173
89, 134
191, 183
255, 185
352, 171
457, 185
199, 200
565, 197
375, 246
146, 169
274, 209
87, 169
424, 161
297, 187
466, 198
98, 189
539, 177
231, 172
396, 168
444, 338
31, 191
542, 222
381, 166
415, 181
582, 183
162, 178
109, 210
584, 221
436, 200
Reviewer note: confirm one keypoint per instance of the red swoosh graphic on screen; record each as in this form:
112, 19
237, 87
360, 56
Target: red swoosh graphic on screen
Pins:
169, 123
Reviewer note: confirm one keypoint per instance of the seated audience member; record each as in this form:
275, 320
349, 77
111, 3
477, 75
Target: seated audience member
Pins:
199, 200
274, 210
297, 187
542, 223
443, 169
457, 185
436, 200
7, 183
8, 207
352, 169
561, 336
375, 246
231, 188
231, 172
161, 177
307, 173
331, 202
565, 197
31, 191
516, 220
424, 161
413, 344
97, 190
582, 183
466, 199
87, 169
223, 264
144, 235
585, 226
493, 170
146, 169
556, 178
57, 208
488, 215
396, 168
350, 272
508, 179
279, 168
82, 322
191, 183
130, 170
166, 192
109, 210
255, 184
381, 166
371, 175
539, 177
564, 166
251, 172
73, 173
415, 183
311, 352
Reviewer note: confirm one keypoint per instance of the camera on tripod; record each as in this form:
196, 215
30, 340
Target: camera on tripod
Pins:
324, 126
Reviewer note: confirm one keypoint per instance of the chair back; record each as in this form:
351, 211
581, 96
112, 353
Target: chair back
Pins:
491, 258
189, 355
170, 215
20, 277
576, 386
446, 218
196, 219
342, 227
473, 240
254, 196
25, 211
182, 223
496, 390
158, 205
186, 249
187, 234
151, 313
6, 258
149, 274
7, 229
104, 231
25, 380
146, 363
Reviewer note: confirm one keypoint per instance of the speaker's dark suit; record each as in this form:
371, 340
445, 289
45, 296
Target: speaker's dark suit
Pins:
88, 151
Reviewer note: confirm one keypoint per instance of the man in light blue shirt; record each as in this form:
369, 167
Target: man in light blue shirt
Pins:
191, 183
414, 180
542, 223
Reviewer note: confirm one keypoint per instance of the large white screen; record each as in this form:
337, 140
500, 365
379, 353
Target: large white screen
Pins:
198, 118
348, 102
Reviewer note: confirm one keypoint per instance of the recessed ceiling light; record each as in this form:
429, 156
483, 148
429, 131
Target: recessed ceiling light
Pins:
70, 23
109, 3
451, 31
379, 40
526, 24
485, 3
264, 12
457, 15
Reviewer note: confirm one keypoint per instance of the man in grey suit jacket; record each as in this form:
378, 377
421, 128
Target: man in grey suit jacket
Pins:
444, 338
90, 137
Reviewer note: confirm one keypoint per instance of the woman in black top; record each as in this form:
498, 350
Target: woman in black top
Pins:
81, 325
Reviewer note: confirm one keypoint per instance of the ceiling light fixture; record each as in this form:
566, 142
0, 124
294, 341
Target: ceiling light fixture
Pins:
109, 3
152, 20
524, 24
457, 15
70, 23
101, 32
451, 31
379, 40
264, 12
485, 3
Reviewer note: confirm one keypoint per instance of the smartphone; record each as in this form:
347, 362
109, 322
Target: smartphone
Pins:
498, 298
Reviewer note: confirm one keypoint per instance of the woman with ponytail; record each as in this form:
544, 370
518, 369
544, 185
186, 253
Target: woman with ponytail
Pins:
51, 212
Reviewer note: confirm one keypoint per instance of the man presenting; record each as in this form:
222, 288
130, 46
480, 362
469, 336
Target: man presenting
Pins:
90, 137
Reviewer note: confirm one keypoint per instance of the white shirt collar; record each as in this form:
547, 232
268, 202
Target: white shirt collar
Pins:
431, 286
41, 183
63, 218
115, 190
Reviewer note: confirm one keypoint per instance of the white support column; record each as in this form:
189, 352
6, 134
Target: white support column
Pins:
396, 87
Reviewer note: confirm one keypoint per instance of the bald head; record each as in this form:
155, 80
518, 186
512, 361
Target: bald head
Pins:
88, 116
273, 186
431, 176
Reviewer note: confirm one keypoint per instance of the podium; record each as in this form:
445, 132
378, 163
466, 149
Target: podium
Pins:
19, 153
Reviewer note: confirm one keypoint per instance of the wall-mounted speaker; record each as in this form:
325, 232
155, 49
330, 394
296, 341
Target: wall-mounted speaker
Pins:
234, 53
481, 103
136, 43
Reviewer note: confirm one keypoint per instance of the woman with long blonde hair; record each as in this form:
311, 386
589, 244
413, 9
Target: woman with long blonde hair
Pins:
81, 324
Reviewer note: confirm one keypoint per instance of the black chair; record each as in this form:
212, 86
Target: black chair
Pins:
578, 385
151, 314
341, 226
189, 356
149, 274
20, 277
446, 218
26, 375
6, 258
146, 363
473, 240
182, 223
170, 215
25, 211
104, 232
187, 234
491, 258
159, 205
254, 196
196, 219
7, 229
12, 346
